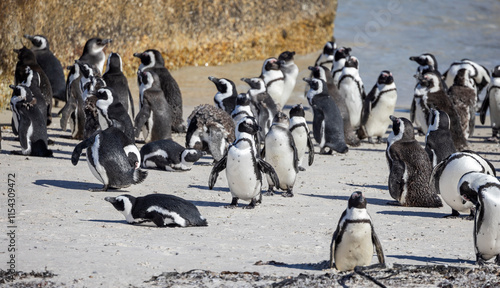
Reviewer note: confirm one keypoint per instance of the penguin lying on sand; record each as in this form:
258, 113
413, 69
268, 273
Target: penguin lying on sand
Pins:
162, 209
168, 155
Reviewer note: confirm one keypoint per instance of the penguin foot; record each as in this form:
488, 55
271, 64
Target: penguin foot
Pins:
269, 192
249, 206
479, 260
302, 168
370, 140
381, 140
104, 188
231, 206
493, 139
326, 151
497, 260
394, 203
234, 203
454, 214
287, 194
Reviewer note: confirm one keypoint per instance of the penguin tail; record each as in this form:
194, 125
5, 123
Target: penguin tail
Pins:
139, 175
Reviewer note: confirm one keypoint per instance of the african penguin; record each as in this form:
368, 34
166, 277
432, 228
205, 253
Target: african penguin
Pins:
162, 209
328, 128
410, 168
32, 81
225, 98
483, 191
339, 58
116, 80
243, 108
71, 111
152, 60
168, 155
479, 74
49, 64
326, 56
425, 60
290, 73
300, 133
113, 159
280, 151
463, 96
438, 141
243, 166
377, 107
447, 174
354, 239
351, 88
93, 53
492, 101
275, 81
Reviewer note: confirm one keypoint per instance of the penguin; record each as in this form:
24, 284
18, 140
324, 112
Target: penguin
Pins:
275, 81
210, 129
27, 58
112, 157
290, 73
425, 61
339, 58
116, 80
322, 72
162, 209
71, 111
410, 168
327, 55
155, 116
152, 60
438, 141
168, 155
243, 166
447, 173
463, 96
280, 151
351, 88
377, 107
492, 101
264, 104
327, 121
483, 191
354, 239
243, 108
32, 128
93, 53
431, 93
225, 98
49, 64
300, 133
32, 81
479, 74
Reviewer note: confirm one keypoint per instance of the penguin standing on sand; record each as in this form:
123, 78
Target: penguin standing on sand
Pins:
32, 82
447, 174
112, 157
354, 239
339, 58
300, 133
327, 122
290, 73
162, 209
168, 155
155, 116
116, 80
275, 81
225, 98
377, 107
93, 53
49, 64
410, 168
280, 151
243, 167
351, 88
478, 73
492, 101
152, 60
483, 191
463, 96
438, 141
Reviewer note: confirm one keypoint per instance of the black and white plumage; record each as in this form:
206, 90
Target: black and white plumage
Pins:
438, 141
377, 107
326, 56
32, 81
243, 108
483, 191
492, 101
339, 58
410, 168
152, 60
425, 61
328, 128
225, 98
300, 133
31, 127
168, 155
155, 115
479, 74
280, 151
243, 166
93, 53
448, 172
463, 96
161, 209
290, 73
113, 159
351, 88
210, 129
49, 64
354, 239
116, 80
275, 81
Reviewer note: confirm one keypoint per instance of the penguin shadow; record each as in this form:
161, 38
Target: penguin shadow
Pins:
74, 185
302, 266
433, 260
211, 204
371, 201
367, 149
413, 213
202, 187
106, 221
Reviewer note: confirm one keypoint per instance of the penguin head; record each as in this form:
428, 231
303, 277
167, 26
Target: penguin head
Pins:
352, 62
32, 78
281, 119
463, 78
243, 99
39, 42
270, 64
432, 81
468, 186
286, 57
190, 155
26, 56
20, 93
248, 125
329, 48
385, 78
224, 85
438, 120
95, 46
297, 111
104, 99
150, 58
319, 72
122, 203
148, 79
401, 129
357, 200
255, 83
114, 63
425, 59
86, 70
316, 86
342, 53
496, 72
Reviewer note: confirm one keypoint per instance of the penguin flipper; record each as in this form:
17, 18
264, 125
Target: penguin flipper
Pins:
142, 117
484, 108
131, 103
412, 110
378, 247
75, 156
310, 146
218, 167
269, 170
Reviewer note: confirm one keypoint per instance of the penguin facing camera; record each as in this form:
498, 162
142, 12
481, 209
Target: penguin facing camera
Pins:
351, 88
275, 81
300, 133
339, 58
290, 73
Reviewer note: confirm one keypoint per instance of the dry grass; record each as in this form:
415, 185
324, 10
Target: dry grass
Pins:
187, 32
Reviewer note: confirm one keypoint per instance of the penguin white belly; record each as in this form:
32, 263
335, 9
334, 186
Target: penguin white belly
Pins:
240, 112
289, 84
280, 155
379, 121
449, 179
98, 170
146, 163
487, 238
169, 217
356, 247
240, 173
275, 90
495, 107
300, 139
29, 133
353, 100
420, 116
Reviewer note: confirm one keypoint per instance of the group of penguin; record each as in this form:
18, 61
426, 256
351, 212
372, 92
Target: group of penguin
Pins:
249, 135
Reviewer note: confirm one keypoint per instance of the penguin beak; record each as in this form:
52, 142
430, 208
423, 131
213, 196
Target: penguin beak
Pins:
106, 41
213, 79
110, 199
11, 86
413, 58
393, 118
17, 51
308, 80
312, 68
29, 37
138, 55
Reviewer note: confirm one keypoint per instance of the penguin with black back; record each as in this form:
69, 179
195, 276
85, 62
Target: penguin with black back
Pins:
463, 96
492, 101
300, 133
225, 98
116, 80
438, 142
168, 155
